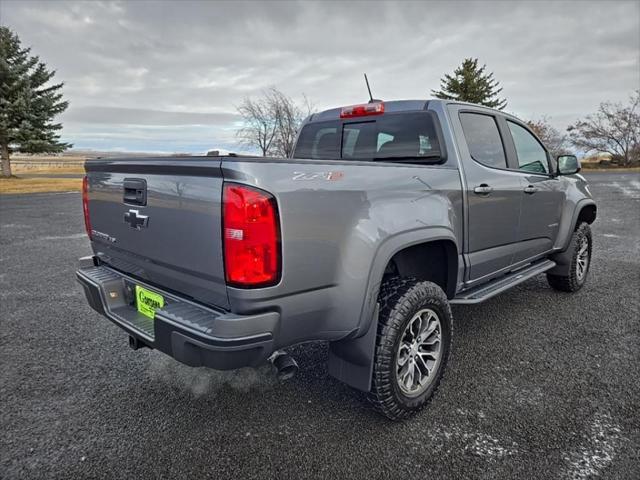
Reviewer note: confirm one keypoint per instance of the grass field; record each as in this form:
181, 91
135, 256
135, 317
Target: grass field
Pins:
45, 169
38, 185
43, 166
586, 168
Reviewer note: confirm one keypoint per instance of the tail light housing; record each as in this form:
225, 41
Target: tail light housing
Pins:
362, 110
85, 205
251, 237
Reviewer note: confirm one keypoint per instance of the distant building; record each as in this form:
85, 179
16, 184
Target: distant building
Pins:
596, 159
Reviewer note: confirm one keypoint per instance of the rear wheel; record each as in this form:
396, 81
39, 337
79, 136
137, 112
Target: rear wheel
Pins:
412, 346
581, 244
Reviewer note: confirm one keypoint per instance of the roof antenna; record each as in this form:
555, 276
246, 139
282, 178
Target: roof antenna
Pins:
371, 99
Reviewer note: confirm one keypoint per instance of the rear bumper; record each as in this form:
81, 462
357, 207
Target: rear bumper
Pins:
189, 332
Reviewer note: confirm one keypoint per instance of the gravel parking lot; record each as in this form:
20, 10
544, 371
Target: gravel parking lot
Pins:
540, 384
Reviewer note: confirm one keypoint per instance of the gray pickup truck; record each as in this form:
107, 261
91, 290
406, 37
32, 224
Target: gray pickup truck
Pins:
388, 213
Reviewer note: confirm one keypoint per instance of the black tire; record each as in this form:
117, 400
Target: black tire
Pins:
573, 281
400, 300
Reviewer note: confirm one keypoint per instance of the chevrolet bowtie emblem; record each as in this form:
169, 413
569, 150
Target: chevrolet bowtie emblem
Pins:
135, 220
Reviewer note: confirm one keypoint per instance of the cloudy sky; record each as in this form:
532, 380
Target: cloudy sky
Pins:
166, 76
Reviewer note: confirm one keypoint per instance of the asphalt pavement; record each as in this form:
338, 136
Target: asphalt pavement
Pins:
541, 384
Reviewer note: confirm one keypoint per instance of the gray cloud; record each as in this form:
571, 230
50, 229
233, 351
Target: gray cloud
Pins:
187, 64
139, 116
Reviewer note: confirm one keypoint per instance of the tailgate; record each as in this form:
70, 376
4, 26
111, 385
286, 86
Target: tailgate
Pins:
159, 219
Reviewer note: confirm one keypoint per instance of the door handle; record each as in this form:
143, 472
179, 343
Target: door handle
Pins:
135, 191
483, 189
530, 190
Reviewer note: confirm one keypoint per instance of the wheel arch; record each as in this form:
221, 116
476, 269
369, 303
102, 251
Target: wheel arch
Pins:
587, 214
585, 211
393, 247
434, 260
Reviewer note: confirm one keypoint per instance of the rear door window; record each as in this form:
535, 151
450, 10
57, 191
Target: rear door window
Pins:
483, 139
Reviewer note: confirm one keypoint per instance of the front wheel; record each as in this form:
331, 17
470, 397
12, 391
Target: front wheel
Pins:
581, 245
412, 346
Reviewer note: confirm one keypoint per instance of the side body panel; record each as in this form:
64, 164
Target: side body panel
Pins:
341, 222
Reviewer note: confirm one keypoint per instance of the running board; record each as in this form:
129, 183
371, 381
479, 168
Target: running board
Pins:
487, 290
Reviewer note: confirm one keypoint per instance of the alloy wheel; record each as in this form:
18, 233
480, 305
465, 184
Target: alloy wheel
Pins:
419, 353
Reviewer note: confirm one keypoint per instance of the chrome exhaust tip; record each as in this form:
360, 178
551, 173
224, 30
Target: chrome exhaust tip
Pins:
286, 367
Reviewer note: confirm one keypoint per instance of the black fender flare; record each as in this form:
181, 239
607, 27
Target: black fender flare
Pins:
563, 258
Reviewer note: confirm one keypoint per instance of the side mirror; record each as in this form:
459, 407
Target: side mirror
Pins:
568, 165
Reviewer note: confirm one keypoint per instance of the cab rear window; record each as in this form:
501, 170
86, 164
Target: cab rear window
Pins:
401, 136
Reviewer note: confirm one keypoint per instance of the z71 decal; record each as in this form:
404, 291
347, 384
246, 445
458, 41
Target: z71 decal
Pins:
331, 176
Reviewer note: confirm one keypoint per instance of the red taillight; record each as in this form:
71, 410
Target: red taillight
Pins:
251, 235
363, 110
85, 205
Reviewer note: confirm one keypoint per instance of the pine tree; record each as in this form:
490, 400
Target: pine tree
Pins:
28, 102
469, 83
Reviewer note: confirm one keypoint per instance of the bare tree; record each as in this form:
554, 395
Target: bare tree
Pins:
290, 116
613, 129
260, 124
271, 122
555, 141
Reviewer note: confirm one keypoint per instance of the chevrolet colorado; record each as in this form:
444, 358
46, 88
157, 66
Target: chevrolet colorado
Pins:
386, 214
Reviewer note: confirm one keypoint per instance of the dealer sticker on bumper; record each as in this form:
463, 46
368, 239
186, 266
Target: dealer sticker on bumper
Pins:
148, 302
